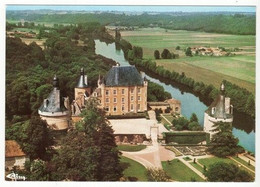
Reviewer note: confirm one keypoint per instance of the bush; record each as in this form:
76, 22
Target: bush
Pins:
157, 175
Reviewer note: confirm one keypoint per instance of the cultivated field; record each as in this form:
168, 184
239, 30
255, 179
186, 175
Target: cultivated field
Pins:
238, 69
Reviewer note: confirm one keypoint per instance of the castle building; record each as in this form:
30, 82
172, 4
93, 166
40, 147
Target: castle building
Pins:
219, 110
122, 90
53, 109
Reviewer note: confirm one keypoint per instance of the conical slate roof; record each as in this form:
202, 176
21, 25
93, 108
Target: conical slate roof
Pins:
123, 76
218, 106
54, 102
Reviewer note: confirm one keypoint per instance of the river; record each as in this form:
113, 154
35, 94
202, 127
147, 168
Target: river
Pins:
243, 126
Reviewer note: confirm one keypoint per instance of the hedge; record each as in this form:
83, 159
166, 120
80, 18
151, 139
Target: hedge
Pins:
185, 137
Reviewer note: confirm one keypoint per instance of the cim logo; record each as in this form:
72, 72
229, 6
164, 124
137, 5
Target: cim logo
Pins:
14, 177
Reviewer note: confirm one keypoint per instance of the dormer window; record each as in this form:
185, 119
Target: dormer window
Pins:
213, 110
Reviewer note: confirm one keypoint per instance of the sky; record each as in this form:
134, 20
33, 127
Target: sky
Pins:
139, 8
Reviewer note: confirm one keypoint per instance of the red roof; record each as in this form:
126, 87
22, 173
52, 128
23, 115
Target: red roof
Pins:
12, 149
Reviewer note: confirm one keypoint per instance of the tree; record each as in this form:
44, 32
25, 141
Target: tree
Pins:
250, 105
194, 126
178, 48
138, 52
166, 54
188, 52
194, 118
156, 54
180, 123
36, 170
227, 172
89, 152
37, 139
40, 34
223, 143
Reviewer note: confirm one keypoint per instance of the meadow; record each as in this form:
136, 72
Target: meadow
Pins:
238, 69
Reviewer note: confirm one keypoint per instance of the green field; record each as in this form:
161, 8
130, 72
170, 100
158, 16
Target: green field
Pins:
238, 69
131, 148
179, 171
133, 169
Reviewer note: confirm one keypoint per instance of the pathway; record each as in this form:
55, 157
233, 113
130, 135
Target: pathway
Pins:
154, 154
192, 168
246, 159
242, 165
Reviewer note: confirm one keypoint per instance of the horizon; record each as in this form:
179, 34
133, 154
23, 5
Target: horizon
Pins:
133, 8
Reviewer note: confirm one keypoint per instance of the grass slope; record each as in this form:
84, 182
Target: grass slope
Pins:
179, 171
133, 169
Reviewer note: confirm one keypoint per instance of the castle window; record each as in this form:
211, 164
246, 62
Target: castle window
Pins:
132, 90
123, 91
114, 108
107, 109
176, 109
132, 98
114, 99
123, 107
132, 107
138, 107
139, 90
107, 92
139, 98
123, 100
114, 92
95, 94
107, 100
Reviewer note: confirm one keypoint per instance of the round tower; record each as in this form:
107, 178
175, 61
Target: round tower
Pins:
53, 110
219, 110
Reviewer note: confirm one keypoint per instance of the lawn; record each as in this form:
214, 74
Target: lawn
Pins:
209, 161
173, 149
179, 171
197, 166
163, 121
131, 148
238, 69
168, 116
133, 170
244, 162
